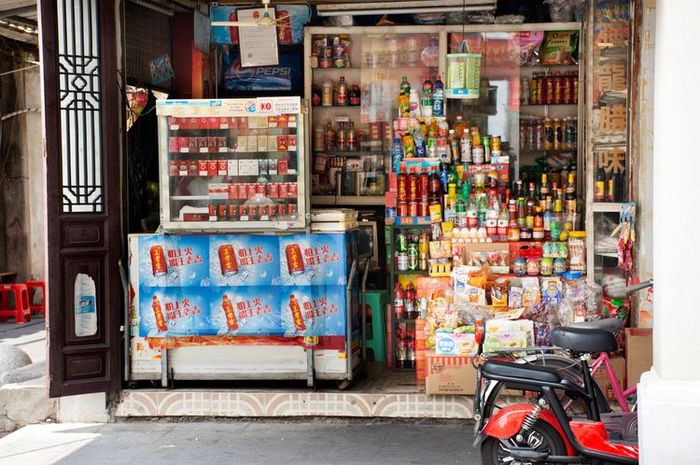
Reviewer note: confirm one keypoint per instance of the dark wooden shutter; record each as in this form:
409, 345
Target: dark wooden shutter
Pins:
82, 108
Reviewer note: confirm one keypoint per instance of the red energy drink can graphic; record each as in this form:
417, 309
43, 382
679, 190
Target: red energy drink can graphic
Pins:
227, 305
297, 317
295, 260
158, 264
158, 313
227, 260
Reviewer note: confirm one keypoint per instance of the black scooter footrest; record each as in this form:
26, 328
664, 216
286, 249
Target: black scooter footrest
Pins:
523, 453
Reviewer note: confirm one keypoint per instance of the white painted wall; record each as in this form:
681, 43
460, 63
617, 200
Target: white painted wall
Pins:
669, 395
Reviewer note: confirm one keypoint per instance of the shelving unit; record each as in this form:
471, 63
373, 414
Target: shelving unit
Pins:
233, 164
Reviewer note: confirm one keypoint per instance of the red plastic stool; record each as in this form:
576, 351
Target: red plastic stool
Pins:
40, 307
21, 311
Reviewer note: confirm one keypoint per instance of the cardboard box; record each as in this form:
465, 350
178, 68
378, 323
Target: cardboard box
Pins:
618, 365
448, 375
638, 352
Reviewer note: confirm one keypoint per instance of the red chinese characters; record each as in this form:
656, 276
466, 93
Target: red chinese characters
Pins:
227, 260
161, 324
231, 321
297, 317
158, 263
295, 261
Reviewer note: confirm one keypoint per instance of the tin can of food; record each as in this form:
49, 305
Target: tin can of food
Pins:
227, 260
295, 260
159, 266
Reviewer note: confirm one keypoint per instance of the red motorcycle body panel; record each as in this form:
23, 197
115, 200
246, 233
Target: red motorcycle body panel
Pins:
594, 436
508, 421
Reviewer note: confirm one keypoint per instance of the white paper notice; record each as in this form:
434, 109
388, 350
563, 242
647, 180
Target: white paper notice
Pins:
258, 44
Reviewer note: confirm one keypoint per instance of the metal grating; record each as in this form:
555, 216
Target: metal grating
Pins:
79, 104
148, 36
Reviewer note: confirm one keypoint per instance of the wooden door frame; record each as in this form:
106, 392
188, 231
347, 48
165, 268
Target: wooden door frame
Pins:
92, 242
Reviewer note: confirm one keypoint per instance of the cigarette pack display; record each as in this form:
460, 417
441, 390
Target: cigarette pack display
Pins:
271, 121
283, 166
183, 168
241, 144
252, 144
292, 143
218, 191
271, 144
291, 121
252, 190
222, 167
212, 168
248, 167
172, 168
282, 143
202, 167
262, 142
272, 167
232, 167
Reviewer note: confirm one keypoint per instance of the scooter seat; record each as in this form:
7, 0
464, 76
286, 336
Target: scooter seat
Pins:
501, 370
584, 340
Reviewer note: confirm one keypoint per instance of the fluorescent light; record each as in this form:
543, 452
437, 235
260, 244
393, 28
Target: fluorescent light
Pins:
397, 11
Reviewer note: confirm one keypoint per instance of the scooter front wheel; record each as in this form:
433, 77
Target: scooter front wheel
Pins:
540, 438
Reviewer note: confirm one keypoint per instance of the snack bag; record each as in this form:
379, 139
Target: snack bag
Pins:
499, 292
531, 291
560, 48
530, 43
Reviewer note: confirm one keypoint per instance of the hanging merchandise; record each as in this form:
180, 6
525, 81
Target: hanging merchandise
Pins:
463, 73
627, 236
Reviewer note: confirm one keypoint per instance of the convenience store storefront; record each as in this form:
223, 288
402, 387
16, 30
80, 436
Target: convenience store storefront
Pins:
88, 225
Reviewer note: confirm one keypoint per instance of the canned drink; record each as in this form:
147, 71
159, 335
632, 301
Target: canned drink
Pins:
295, 260
232, 212
496, 144
413, 256
297, 316
227, 260
402, 208
413, 208
422, 262
212, 212
402, 261
161, 323
230, 313
222, 213
159, 266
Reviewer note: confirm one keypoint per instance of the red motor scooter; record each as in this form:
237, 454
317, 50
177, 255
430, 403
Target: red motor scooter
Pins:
541, 431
